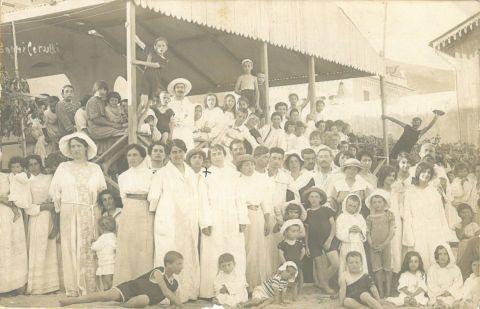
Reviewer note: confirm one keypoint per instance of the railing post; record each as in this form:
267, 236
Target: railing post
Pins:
311, 85
264, 65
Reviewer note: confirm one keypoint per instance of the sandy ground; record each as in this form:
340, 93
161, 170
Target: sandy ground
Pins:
308, 300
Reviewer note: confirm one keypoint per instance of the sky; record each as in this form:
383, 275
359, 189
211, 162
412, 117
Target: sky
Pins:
411, 25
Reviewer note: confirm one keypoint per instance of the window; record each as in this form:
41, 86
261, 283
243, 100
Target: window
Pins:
366, 95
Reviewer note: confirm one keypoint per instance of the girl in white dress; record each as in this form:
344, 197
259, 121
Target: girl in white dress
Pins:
412, 284
444, 279
351, 230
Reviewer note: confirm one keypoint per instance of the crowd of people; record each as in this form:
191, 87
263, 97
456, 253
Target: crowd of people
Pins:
227, 206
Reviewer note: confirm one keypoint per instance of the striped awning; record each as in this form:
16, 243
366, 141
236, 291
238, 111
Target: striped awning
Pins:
316, 28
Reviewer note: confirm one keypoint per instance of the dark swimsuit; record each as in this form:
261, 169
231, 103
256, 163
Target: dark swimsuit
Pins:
357, 288
144, 286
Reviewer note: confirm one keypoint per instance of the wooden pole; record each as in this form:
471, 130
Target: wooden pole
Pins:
311, 85
264, 65
383, 97
131, 74
17, 76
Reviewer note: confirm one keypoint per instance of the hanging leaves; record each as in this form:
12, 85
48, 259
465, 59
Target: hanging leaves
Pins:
15, 106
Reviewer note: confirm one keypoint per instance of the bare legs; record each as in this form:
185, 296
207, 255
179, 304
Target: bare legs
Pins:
383, 279
104, 296
324, 274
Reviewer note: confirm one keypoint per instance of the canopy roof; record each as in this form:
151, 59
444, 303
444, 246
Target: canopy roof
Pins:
207, 40
449, 38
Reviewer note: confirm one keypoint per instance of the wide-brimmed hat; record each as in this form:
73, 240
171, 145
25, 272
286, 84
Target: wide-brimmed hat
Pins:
289, 223
186, 82
243, 158
378, 192
352, 163
64, 146
322, 193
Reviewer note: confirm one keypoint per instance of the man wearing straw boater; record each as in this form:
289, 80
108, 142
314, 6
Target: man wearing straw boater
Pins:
182, 122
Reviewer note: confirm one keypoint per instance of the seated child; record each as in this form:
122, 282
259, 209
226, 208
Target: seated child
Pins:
149, 127
105, 247
230, 287
290, 136
412, 284
465, 229
444, 280
351, 230
380, 231
148, 289
356, 286
272, 291
470, 293
113, 110
315, 140
292, 248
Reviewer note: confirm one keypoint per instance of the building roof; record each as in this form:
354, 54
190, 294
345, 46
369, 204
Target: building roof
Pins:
451, 36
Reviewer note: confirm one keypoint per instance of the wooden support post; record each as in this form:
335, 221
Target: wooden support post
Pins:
17, 76
264, 66
131, 74
384, 124
311, 85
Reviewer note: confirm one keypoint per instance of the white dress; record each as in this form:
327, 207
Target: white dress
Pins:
181, 208
471, 289
424, 224
13, 249
412, 282
43, 263
351, 241
273, 137
254, 191
444, 279
135, 246
236, 285
226, 215
105, 247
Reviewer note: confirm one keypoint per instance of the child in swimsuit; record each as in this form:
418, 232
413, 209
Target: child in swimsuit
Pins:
357, 288
247, 84
148, 289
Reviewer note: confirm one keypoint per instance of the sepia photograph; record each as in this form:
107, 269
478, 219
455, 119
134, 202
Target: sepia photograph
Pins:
218, 154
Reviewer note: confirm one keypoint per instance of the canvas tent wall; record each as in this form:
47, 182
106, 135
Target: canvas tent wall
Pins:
86, 40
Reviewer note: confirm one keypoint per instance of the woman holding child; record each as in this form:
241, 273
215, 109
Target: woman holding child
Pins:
134, 255
74, 189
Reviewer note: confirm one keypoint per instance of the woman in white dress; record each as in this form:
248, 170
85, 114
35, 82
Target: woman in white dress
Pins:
213, 115
179, 213
134, 255
424, 224
13, 249
253, 194
43, 266
228, 222
74, 189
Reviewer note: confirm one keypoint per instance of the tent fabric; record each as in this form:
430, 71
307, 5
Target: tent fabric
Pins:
316, 28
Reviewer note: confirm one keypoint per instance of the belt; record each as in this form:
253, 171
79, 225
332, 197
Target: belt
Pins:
253, 207
137, 196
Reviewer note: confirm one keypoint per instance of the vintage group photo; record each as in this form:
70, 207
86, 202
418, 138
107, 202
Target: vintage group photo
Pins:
240, 154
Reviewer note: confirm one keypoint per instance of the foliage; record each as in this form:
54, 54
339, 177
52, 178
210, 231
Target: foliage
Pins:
14, 104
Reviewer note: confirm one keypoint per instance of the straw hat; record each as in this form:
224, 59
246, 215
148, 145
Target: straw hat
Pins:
186, 82
378, 192
289, 223
247, 60
352, 163
64, 146
322, 193
243, 158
